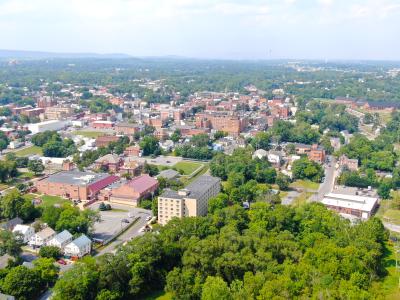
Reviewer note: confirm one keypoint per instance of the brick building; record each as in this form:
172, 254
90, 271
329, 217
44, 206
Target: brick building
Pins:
109, 162
75, 185
105, 140
126, 128
227, 122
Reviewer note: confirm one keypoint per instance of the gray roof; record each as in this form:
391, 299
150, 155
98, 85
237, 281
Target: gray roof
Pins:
196, 189
81, 241
11, 223
168, 174
76, 177
63, 236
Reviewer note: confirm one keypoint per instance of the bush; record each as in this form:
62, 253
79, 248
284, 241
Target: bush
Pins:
50, 252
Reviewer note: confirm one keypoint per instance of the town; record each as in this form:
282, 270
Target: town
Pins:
88, 170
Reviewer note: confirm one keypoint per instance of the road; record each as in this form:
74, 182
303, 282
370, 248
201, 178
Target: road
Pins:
132, 232
392, 227
327, 186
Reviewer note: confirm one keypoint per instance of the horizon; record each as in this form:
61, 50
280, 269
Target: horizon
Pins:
228, 30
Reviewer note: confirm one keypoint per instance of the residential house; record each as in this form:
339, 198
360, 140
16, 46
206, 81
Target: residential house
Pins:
78, 247
133, 151
9, 225
25, 231
61, 239
260, 154
349, 163
41, 238
275, 158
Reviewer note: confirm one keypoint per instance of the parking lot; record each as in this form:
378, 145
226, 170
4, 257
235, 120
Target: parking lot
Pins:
112, 221
168, 161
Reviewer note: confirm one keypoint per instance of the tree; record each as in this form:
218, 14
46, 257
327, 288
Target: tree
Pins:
50, 252
262, 140
50, 215
10, 244
36, 166
384, 189
282, 181
215, 288
218, 202
78, 283
47, 270
304, 168
11, 204
175, 137
149, 145
22, 283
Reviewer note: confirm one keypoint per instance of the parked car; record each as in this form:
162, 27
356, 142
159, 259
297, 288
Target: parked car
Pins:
148, 218
62, 262
125, 220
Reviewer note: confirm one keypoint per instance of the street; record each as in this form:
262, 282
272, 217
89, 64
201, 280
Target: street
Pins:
327, 186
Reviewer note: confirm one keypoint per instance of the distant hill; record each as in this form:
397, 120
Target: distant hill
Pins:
20, 54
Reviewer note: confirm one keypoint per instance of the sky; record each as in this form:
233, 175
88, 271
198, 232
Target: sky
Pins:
227, 29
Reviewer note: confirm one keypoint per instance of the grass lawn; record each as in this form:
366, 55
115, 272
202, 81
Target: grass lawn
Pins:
158, 295
301, 199
387, 213
89, 134
390, 284
187, 167
29, 175
3, 186
29, 197
29, 151
51, 200
305, 184
186, 180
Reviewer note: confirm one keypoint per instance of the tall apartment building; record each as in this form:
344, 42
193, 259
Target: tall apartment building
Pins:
189, 202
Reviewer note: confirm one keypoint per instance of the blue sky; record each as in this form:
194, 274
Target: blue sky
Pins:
231, 29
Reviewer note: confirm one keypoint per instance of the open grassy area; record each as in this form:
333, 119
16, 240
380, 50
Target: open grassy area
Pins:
51, 200
185, 180
302, 199
387, 213
305, 184
29, 151
187, 167
390, 284
88, 134
158, 295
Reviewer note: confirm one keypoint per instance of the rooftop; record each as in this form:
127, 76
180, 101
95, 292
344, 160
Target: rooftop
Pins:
76, 177
361, 203
81, 241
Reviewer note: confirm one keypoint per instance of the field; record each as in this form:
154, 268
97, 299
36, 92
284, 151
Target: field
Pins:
29, 151
301, 199
88, 134
388, 214
390, 284
187, 167
305, 184
158, 295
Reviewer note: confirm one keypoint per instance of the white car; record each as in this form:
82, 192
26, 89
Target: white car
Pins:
148, 218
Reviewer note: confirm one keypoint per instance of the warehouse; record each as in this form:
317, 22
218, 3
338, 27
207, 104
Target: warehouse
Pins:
47, 125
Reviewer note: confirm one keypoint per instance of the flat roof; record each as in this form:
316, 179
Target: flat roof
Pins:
76, 177
361, 203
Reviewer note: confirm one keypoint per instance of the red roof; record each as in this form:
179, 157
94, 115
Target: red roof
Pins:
142, 183
101, 184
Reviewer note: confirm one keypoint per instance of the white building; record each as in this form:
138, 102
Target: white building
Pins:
274, 157
260, 154
41, 238
78, 247
47, 125
351, 205
61, 240
189, 202
25, 231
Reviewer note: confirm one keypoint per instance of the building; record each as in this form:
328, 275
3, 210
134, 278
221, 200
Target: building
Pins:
78, 247
105, 140
102, 124
126, 128
25, 231
351, 205
133, 191
10, 225
345, 162
275, 158
41, 238
33, 112
109, 162
189, 202
260, 154
133, 151
317, 154
75, 185
58, 112
61, 240
47, 125
227, 122
169, 174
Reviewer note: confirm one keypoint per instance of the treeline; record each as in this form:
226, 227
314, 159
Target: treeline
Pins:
267, 252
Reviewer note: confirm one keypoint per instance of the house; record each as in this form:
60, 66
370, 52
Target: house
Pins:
25, 231
275, 157
260, 154
61, 239
131, 166
335, 143
41, 238
134, 190
109, 162
78, 247
317, 154
167, 145
11, 224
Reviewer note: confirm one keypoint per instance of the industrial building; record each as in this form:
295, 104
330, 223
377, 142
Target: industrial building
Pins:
46, 125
